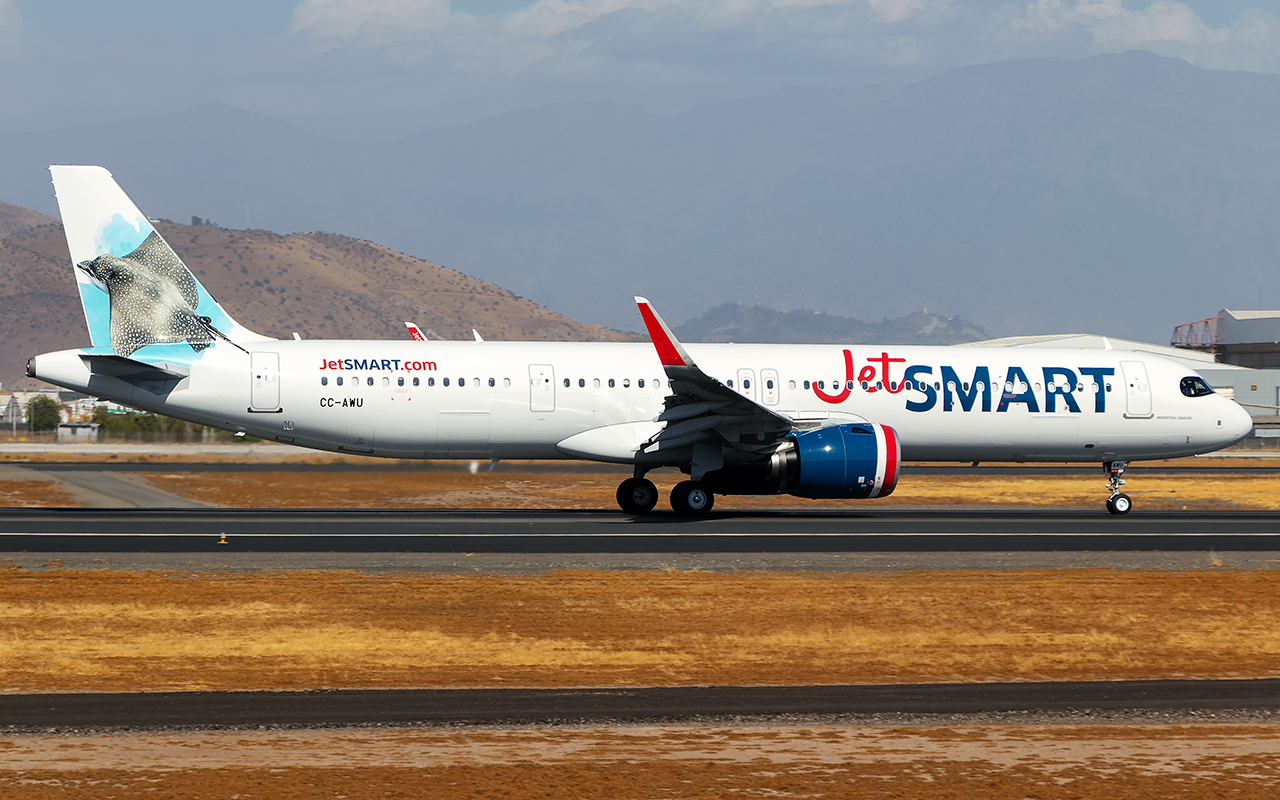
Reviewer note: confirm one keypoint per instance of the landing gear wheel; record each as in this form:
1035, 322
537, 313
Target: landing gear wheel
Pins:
691, 499
637, 495
1119, 504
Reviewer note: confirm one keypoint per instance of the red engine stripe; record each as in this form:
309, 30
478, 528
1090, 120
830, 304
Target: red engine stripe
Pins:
892, 457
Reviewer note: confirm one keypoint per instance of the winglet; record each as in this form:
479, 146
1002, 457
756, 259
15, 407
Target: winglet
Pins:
670, 352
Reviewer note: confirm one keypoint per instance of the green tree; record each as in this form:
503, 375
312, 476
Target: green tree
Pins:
44, 413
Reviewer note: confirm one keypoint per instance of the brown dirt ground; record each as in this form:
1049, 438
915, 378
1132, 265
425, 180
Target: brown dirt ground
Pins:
23, 492
997, 762
86, 630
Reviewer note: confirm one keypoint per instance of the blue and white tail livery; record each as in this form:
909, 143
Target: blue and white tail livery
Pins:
137, 293
815, 421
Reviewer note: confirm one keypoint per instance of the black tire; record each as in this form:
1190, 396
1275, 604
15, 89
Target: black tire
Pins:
692, 499
1120, 504
637, 495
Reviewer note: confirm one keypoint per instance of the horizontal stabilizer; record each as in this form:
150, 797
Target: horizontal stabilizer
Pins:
130, 371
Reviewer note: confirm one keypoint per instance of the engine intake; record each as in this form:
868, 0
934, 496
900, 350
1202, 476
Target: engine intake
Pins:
855, 461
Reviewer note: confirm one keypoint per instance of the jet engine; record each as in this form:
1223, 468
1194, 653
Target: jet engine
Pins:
856, 461
851, 461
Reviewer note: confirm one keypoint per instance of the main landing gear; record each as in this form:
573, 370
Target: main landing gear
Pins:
1118, 503
692, 499
638, 495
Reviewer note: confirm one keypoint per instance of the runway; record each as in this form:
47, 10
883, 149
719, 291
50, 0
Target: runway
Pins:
48, 713
532, 531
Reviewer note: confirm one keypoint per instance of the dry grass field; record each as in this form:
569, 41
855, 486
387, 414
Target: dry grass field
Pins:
991, 762
68, 630
512, 488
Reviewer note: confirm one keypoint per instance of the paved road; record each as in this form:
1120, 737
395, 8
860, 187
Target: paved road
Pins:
416, 530
80, 712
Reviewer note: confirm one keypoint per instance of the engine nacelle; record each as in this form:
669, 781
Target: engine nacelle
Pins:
856, 461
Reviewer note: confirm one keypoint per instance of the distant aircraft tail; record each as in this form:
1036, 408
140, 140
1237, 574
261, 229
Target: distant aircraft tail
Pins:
415, 332
135, 290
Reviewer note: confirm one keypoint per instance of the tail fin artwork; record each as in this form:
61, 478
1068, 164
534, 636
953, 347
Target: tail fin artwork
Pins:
135, 290
415, 332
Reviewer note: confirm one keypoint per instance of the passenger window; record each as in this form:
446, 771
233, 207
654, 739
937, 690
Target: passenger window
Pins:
806, 384
492, 383
611, 384
582, 383
506, 383
595, 383
791, 384
338, 380
566, 383
386, 381
415, 381
746, 384
324, 381
626, 383
369, 380
399, 381
640, 383
847, 385
729, 383
444, 382
769, 384
1108, 387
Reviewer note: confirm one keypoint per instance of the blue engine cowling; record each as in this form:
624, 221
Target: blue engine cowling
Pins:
856, 461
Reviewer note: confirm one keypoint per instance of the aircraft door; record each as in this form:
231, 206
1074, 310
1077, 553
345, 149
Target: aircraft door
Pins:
264, 392
769, 386
747, 383
542, 387
1137, 390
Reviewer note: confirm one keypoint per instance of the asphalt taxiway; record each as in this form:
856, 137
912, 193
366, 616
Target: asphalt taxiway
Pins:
550, 531
45, 713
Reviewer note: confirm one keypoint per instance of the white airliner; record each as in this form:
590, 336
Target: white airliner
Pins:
816, 421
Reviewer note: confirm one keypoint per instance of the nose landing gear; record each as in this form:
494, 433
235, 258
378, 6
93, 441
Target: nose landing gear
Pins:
1118, 503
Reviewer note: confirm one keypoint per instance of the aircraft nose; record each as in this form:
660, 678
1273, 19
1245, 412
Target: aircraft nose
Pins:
1236, 422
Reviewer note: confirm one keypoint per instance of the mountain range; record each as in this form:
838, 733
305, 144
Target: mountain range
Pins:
1121, 194
320, 285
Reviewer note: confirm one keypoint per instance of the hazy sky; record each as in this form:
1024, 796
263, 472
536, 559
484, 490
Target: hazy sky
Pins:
379, 69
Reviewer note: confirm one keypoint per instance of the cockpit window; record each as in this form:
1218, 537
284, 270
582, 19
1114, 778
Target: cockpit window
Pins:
1194, 386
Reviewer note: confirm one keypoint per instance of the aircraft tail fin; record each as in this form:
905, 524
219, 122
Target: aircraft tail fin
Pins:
134, 288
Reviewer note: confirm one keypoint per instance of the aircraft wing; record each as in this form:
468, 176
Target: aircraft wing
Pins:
700, 406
